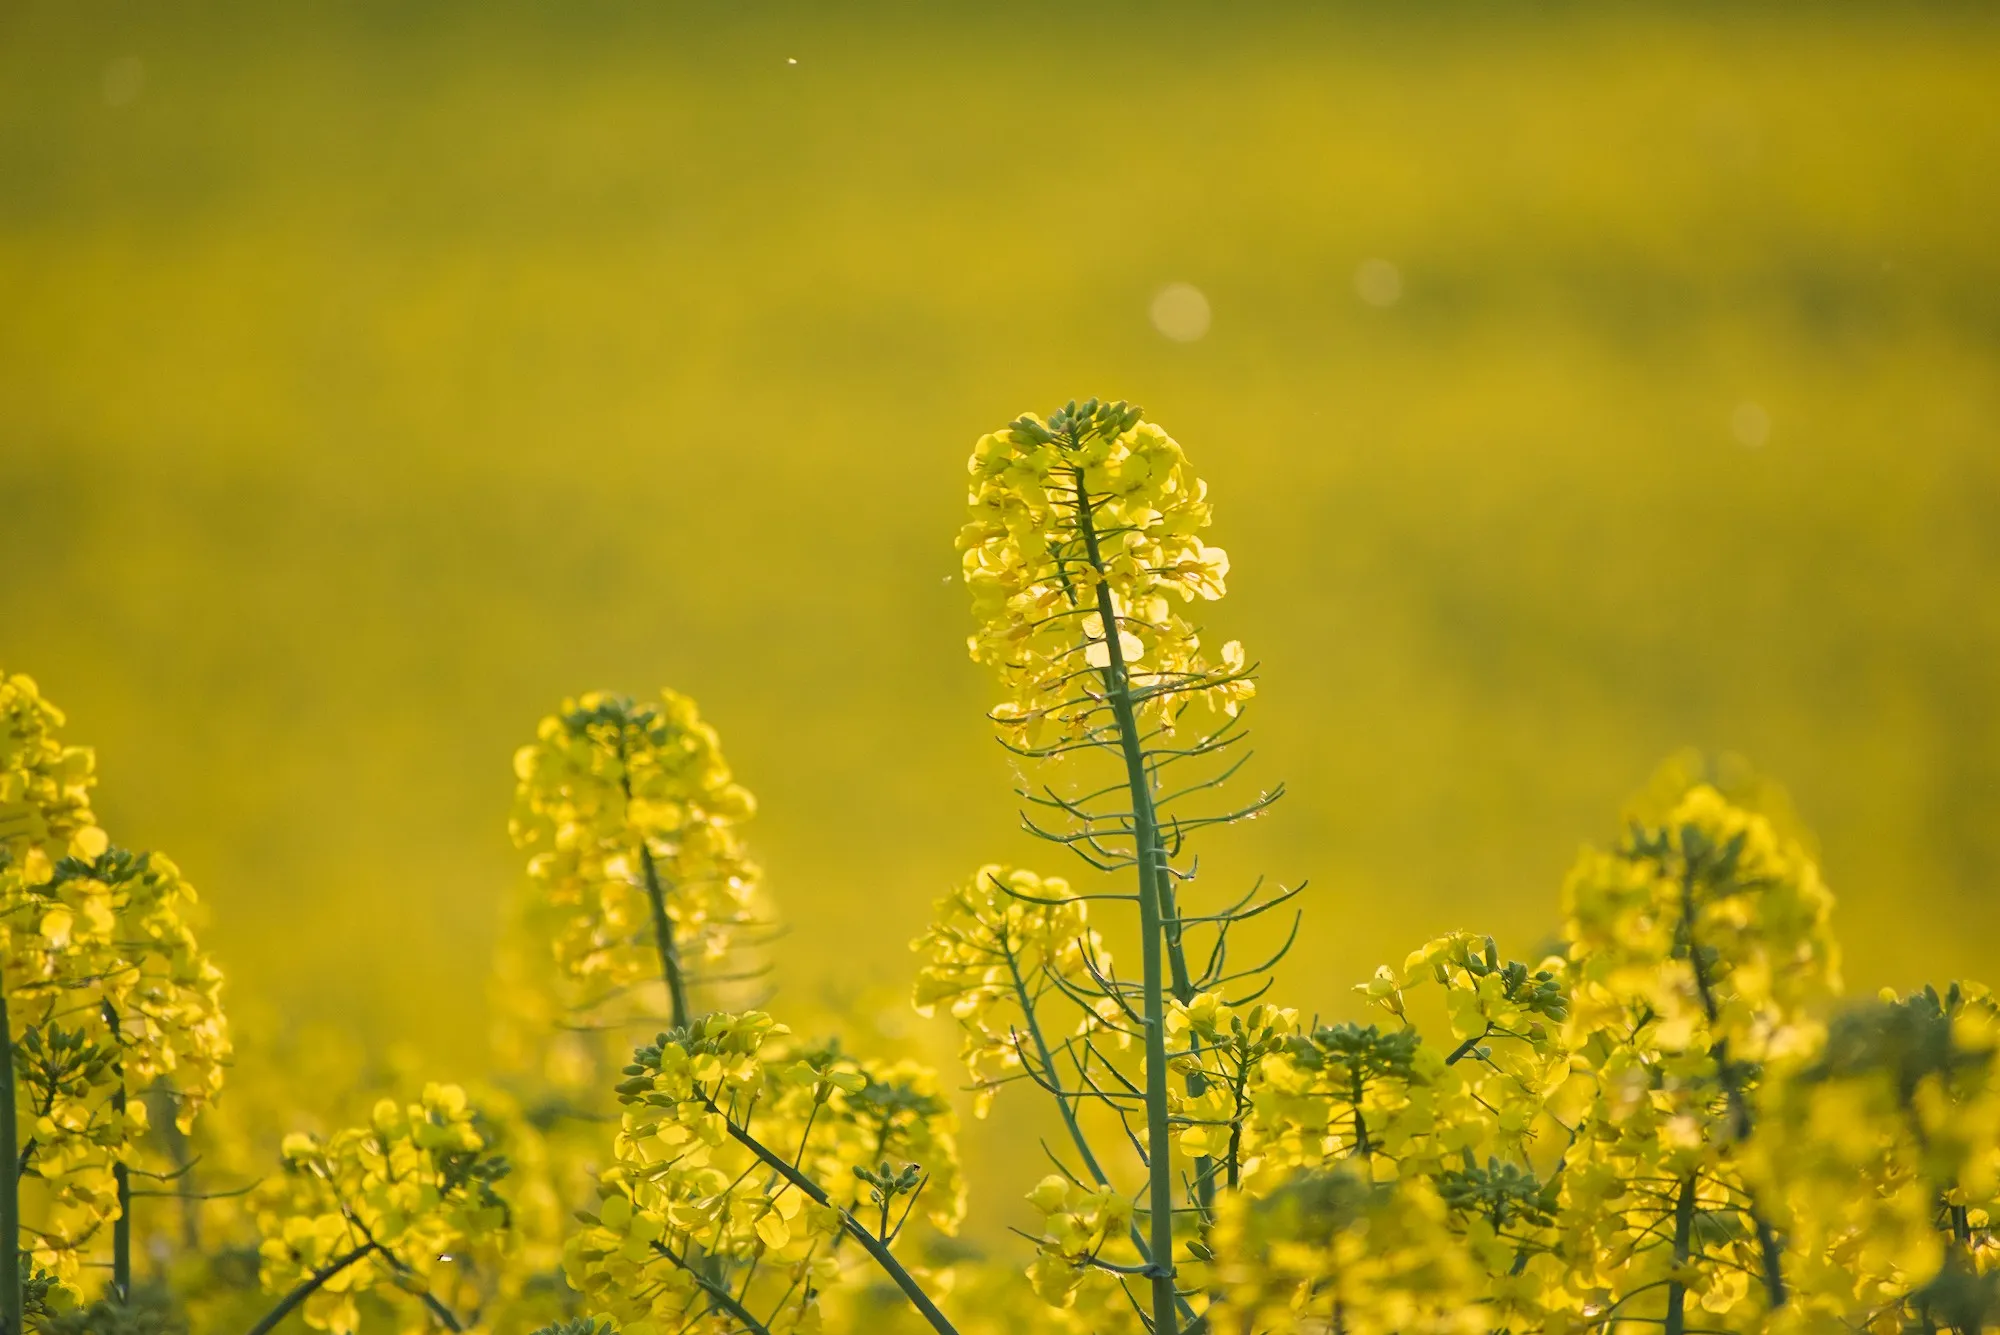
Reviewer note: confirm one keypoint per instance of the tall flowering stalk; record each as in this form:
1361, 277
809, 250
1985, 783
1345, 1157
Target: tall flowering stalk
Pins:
639, 899
45, 816
108, 997
630, 819
744, 1158
1700, 952
1083, 555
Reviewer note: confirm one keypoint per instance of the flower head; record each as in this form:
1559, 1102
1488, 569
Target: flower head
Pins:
1083, 556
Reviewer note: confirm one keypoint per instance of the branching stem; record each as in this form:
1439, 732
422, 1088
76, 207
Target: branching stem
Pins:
307, 1287
874, 1246
716, 1293
1063, 1103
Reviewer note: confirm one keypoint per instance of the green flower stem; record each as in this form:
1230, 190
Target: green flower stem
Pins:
1152, 928
874, 1246
121, 1228
717, 1294
10, 1190
1465, 1049
663, 934
1676, 1322
445, 1316
182, 1154
656, 897
121, 1177
1048, 1061
1233, 1161
307, 1287
1770, 1249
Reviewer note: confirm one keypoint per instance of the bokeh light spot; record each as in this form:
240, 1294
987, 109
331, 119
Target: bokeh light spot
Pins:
1751, 425
1180, 311
1378, 282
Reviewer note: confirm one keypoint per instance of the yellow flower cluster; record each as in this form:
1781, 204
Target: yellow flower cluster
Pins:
1224, 1049
629, 816
743, 1157
385, 1206
1080, 1226
1595, 1147
1386, 1107
1709, 922
116, 998
109, 995
1506, 1024
996, 946
1884, 1155
1091, 513
1485, 1001
1699, 950
319, 1077
45, 810
638, 883
1333, 1250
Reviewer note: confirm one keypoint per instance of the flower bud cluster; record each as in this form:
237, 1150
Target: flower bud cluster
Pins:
1220, 1053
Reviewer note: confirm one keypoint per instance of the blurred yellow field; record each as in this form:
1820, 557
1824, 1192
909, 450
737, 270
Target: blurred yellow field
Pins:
1574, 385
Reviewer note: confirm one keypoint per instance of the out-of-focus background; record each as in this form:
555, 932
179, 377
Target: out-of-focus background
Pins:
1575, 383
